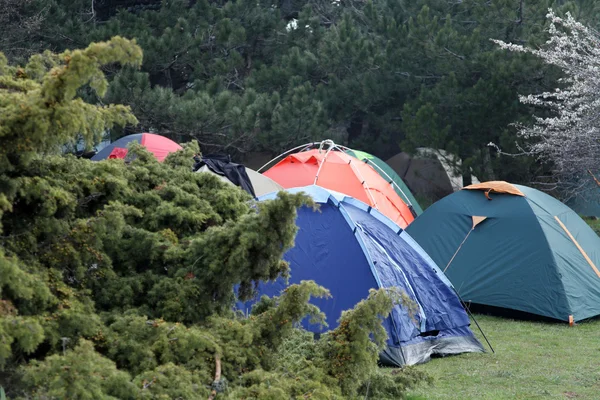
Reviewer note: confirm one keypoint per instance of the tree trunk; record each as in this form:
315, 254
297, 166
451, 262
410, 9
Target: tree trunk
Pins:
213, 393
356, 127
487, 165
466, 175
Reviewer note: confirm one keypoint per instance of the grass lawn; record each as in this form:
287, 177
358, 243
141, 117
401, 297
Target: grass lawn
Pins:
532, 361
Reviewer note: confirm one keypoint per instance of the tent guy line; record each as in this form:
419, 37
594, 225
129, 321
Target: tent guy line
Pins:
476, 221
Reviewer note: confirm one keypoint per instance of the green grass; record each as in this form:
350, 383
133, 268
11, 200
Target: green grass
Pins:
532, 361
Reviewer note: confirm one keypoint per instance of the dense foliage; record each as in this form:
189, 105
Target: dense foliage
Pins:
254, 75
116, 279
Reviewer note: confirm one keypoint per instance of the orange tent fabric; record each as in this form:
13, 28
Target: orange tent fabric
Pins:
338, 171
496, 186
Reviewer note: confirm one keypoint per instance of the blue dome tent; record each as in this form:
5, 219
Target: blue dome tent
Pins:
349, 248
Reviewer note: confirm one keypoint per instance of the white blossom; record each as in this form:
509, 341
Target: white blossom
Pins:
292, 25
570, 137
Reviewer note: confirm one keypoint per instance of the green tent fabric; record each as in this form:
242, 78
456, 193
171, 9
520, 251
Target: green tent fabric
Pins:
527, 252
388, 173
588, 206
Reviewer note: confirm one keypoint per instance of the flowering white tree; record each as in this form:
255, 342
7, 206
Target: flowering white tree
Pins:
570, 136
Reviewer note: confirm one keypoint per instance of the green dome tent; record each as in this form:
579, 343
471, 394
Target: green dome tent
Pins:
515, 248
388, 173
586, 205
430, 173
586, 202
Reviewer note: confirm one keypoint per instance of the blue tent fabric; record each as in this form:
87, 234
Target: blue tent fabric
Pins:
349, 248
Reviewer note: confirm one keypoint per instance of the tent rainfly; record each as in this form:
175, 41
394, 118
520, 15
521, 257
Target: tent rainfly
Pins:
389, 175
330, 167
349, 247
158, 145
514, 248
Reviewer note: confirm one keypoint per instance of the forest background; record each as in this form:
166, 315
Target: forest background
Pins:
124, 274
264, 76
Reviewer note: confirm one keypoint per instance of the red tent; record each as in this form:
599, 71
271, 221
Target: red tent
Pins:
338, 171
158, 145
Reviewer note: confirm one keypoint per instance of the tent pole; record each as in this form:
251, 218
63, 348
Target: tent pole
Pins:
394, 184
329, 149
474, 320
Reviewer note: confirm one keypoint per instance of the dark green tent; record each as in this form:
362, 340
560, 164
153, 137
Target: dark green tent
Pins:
587, 206
516, 248
388, 174
587, 200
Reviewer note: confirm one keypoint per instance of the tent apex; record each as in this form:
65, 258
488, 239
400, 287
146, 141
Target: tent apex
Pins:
497, 187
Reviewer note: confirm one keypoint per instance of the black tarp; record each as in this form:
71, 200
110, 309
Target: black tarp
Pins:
222, 165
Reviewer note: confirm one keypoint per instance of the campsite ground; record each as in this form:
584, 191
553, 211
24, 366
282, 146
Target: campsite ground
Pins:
532, 361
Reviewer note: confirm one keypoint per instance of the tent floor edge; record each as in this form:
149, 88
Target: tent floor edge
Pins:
518, 315
422, 352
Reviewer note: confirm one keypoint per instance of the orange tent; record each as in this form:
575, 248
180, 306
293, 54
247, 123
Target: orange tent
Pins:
338, 171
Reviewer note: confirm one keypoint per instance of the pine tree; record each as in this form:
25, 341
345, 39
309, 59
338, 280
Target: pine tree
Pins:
117, 278
244, 76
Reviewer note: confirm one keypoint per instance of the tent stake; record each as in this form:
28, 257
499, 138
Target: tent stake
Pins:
474, 320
